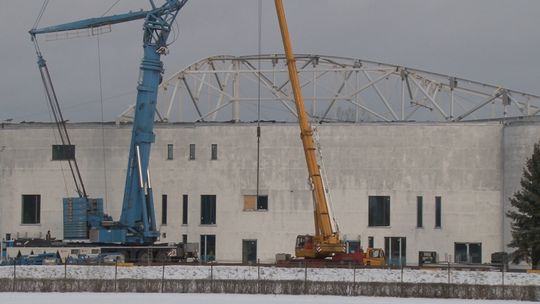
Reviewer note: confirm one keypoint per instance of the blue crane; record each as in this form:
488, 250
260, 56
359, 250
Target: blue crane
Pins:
84, 216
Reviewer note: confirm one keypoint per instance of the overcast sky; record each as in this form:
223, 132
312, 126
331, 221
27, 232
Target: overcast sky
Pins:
492, 41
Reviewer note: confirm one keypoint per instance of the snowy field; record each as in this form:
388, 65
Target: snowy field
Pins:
115, 298
273, 273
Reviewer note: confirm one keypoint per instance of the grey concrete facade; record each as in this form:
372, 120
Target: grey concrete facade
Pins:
472, 167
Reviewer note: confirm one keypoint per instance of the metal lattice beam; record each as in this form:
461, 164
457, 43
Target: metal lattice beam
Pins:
224, 88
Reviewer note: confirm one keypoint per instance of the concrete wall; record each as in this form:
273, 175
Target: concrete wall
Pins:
467, 165
518, 141
377, 289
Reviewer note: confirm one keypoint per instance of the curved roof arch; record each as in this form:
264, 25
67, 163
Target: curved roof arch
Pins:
238, 88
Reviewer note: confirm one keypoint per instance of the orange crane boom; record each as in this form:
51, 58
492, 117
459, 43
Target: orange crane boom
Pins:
326, 241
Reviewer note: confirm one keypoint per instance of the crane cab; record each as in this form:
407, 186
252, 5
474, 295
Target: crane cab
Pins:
374, 257
305, 246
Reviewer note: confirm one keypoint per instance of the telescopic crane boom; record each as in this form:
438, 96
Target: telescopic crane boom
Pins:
326, 241
137, 223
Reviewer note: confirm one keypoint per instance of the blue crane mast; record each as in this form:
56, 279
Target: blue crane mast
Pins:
84, 216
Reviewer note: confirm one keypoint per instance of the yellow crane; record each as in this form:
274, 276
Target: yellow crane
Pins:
326, 242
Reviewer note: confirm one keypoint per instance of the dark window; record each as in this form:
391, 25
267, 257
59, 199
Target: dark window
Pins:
371, 241
352, 246
31, 208
191, 151
170, 150
249, 251
184, 209
419, 211
208, 209
214, 151
468, 253
63, 152
379, 211
262, 202
208, 247
437, 212
184, 238
164, 209
396, 250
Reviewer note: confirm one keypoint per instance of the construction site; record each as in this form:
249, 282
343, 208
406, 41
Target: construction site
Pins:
276, 159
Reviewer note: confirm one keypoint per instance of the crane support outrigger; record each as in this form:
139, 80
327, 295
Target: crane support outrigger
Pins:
326, 242
83, 216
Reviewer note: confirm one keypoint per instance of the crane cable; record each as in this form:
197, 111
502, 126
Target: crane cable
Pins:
102, 118
110, 8
102, 122
259, 47
40, 14
36, 23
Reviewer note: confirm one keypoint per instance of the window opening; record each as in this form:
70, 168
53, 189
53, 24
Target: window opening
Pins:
379, 211
191, 151
63, 152
164, 209
170, 151
184, 209
208, 209
419, 211
208, 247
214, 152
31, 209
438, 212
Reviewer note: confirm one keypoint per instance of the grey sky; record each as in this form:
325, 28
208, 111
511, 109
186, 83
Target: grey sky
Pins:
492, 41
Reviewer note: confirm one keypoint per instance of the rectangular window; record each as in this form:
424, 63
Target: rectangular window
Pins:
352, 246
208, 209
251, 202
184, 209
371, 242
191, 151
63, 152
396, 250
249, 251
419, 211
438, 212
164, 209
379, 211
184, 238
214, 152
468, 253
31, 209
170, 150
208, 247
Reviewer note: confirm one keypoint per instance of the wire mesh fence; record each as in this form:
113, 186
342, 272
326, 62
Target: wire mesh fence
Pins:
270, 272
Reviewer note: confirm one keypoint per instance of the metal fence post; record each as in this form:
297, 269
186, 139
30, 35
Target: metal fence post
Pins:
354, 280
14, 273
258, 274
503, 268
162, 276
449, 273
116, 275
449, 287
211, 277
65, 269
305, 277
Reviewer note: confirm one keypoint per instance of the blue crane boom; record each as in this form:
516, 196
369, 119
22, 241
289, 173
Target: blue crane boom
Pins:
137, 221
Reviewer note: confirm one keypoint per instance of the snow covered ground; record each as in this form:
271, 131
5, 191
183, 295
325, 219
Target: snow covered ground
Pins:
273, 273
115, 298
